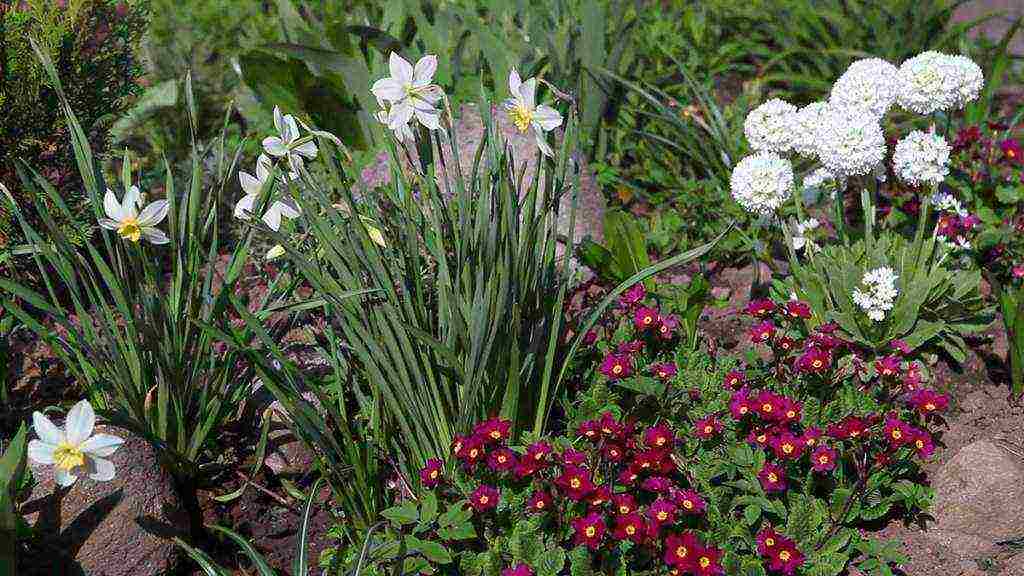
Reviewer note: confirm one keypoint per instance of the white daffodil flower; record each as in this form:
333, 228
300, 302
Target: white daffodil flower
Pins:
124, 217
410, 92
801, 237
403, 132
288, 144
253, 185
524, 112
74, 449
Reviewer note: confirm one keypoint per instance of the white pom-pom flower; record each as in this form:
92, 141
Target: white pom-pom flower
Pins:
771, 126
933, 81
879, 293
806, 123
921, 158
850, 141
762, 182
871, 83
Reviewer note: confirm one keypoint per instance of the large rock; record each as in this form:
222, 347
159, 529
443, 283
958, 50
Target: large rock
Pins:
118, 528
468, 133
977, 500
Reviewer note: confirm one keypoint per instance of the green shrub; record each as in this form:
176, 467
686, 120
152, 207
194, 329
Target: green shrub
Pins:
93, 44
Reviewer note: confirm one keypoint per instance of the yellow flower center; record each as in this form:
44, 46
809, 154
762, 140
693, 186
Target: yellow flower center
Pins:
772, 477
130, 229
784, 555
766, 407
816, 363
743, 409
791, 414
688, 504
823, 459
681, 552
623, 509
1011, 153
473, 453
617, 369
919, 444
762, 439
496, 435
648, 319
787, 448
708, 429
704, 562
896, 434
67, 457
540, 504
662, 515
484, 499
590, 531
521, 117
769, 542
433, 474
501, 459
630, 529
929, 407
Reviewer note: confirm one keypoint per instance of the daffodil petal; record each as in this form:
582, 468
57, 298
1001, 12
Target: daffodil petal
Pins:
154, 213
109, 224
46, 430
388, 89
307, 149
547, 117
111, 206
130, 204
514, 82
424, 71
272, 218
64, 478
244, 207
401, 70
101, 445
274, 146
528, 92
249, 184
41, 452
286, 209
79, 423
100, 469
278, 119
155, 235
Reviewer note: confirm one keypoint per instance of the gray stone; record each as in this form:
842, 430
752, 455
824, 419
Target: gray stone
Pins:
118, 528
977, 496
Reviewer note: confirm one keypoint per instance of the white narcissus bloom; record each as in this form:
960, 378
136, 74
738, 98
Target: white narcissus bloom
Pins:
124, 217
800, 236
74, 450
288, 143
252, 185
871, 83
410, 92
526, 114
762, 182
403, 132
921, 158
771, 127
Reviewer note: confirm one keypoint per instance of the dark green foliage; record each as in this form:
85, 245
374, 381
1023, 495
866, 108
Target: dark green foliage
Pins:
93, 45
